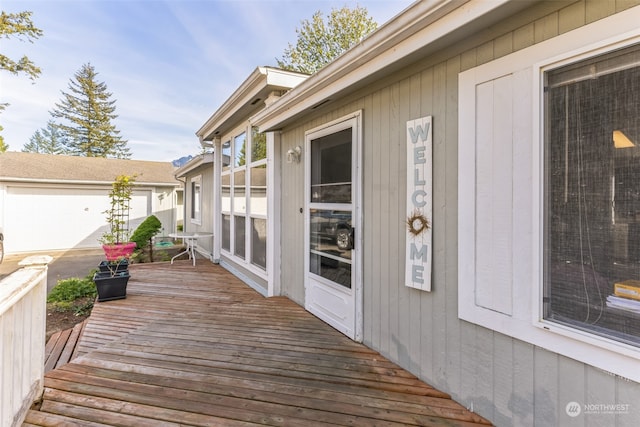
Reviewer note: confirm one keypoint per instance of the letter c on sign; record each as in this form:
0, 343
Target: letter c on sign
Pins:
414, 198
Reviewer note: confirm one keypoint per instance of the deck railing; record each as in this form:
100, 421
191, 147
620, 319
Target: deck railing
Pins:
22, 330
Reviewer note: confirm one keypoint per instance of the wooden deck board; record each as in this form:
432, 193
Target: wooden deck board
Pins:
195, 346
62, 347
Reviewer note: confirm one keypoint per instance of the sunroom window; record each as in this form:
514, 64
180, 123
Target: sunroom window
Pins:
244, 197
592, 195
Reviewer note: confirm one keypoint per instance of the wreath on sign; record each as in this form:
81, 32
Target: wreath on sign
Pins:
417, 223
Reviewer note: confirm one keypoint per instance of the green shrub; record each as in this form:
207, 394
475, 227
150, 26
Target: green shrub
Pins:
69, 290
145, 231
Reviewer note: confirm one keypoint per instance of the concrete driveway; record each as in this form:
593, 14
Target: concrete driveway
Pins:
65, 264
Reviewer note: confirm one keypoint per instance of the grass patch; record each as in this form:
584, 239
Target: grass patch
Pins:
73, 295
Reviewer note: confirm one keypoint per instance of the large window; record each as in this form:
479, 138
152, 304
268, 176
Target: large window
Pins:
592, 195
549, 195
244, 197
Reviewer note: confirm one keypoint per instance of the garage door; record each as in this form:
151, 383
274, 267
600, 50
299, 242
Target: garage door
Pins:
41, 219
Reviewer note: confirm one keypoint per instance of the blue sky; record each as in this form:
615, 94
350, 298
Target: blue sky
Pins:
168, 63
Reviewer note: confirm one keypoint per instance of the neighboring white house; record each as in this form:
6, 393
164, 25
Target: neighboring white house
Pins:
54, 202
460, 192
197, 179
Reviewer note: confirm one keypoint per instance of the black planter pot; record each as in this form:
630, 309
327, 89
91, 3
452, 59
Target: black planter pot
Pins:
114, 266
111, 286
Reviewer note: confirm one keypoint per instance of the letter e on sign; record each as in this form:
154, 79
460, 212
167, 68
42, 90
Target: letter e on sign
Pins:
418, 252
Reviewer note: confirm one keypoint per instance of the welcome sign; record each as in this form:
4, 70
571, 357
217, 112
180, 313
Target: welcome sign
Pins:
419, 203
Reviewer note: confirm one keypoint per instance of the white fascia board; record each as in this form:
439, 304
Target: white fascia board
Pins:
246, 93
194, 163
284, 78
420, 25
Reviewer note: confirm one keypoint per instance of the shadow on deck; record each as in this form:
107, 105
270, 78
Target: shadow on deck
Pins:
195, 346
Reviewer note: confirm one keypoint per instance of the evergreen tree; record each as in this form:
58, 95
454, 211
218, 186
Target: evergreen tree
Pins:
87, 111
321, 42
49, 140
3, 147
17, 25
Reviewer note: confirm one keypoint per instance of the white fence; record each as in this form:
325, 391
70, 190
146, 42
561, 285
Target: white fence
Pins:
22, 329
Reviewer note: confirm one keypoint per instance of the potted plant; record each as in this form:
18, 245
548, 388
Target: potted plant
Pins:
112, 278
115, 241
111, 284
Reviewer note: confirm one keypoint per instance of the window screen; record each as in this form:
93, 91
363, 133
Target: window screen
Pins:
592, 195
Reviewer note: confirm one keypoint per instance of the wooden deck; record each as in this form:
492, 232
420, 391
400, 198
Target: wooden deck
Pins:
195, 346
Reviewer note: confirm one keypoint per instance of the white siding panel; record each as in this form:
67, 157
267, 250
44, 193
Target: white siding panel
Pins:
494, 164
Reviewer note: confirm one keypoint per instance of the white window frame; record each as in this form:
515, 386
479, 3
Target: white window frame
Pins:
195, 214
515, 305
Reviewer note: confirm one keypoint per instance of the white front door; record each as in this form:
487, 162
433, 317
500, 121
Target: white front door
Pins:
333, 289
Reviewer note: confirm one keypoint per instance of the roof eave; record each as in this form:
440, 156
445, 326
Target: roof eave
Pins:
259, 79
196, 162
85, 182
421, 24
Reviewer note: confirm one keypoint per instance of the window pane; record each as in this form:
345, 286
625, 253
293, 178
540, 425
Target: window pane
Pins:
239, 236
258, 145
239, 153
226, 232
592, 173
331, 168
259, 190
226, 155
239, 192
226, 193
259, 242
195, 201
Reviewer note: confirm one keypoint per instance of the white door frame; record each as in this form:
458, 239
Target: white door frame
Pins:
353, 121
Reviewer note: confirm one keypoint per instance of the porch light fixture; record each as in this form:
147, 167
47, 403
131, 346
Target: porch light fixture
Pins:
620, 140
293, 155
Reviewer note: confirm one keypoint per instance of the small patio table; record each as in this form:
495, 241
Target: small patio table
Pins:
190, 241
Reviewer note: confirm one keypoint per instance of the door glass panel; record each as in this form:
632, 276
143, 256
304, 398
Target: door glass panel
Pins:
332, 269
331, 232
331, 244
331, 168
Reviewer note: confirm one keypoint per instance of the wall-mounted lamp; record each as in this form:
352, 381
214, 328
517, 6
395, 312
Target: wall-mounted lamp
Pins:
293, 155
